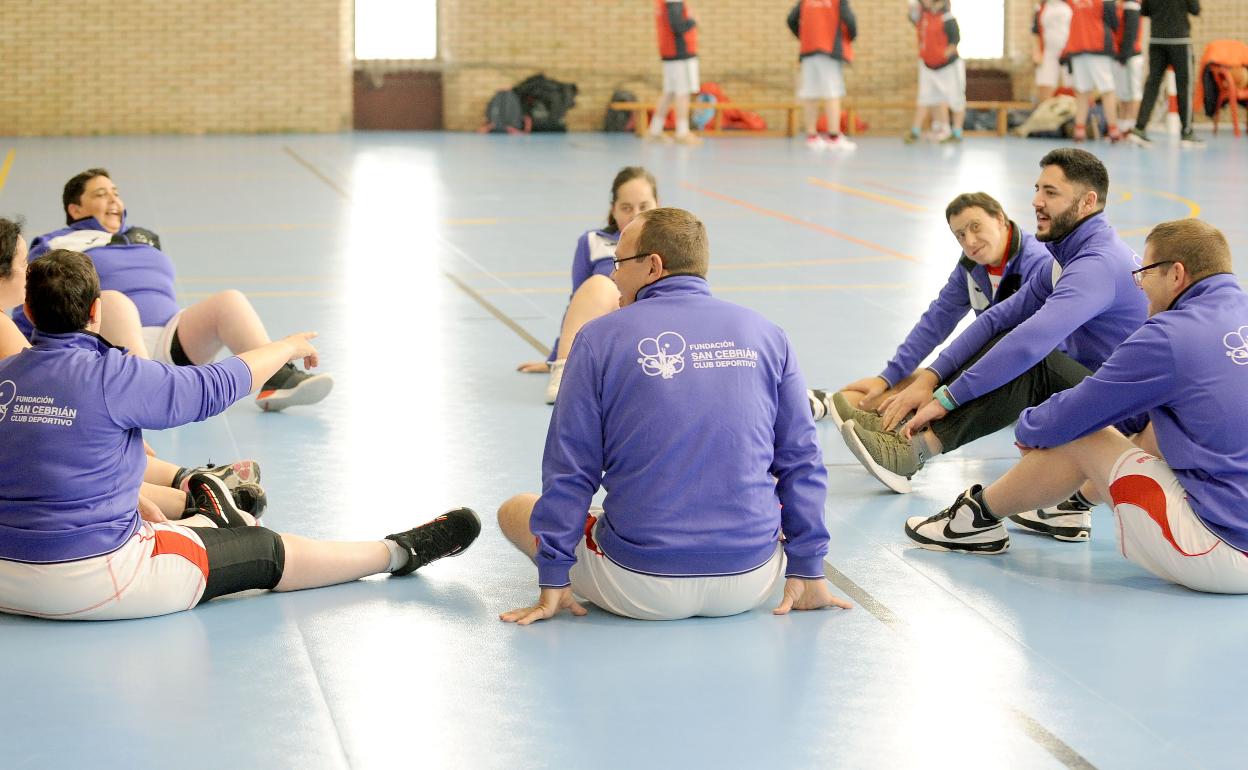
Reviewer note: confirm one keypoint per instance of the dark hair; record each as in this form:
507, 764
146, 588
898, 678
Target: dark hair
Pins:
60, 287
626, 175
75, 187
10, 231
678, 237
975, 200
1082, 169
1199, 246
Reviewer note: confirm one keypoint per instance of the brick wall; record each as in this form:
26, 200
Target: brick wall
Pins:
745, 46
176, 66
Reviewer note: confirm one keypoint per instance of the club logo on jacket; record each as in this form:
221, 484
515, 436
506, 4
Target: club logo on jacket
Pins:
33, 409
662, 355
1236, 343
8, 392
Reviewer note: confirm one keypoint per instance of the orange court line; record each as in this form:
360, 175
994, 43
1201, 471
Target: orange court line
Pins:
8, 164
866, 195
800, 222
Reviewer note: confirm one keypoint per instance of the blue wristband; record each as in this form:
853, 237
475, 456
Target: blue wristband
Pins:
941, 394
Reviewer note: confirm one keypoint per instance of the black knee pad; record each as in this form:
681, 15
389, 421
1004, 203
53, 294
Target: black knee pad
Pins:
241, 559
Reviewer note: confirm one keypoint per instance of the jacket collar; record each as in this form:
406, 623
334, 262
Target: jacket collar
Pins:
1073, 243
677, 284
83, 340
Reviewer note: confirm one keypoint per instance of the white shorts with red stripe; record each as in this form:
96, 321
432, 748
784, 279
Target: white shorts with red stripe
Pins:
1159, 531
163, 568
652, 597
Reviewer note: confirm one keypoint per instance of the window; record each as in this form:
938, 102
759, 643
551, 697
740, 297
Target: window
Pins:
396, 29
982, 25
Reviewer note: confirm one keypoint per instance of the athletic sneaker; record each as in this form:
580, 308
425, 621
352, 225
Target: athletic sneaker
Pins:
291, 386
816, 142
962, 526
691, 140
1069, 521
251, 498
213, 499
842, 412
820, 404
886, 456
952, 139
556, 378
448, 535
234, 474
1138, 137
841, 142
910, 138
1191, 141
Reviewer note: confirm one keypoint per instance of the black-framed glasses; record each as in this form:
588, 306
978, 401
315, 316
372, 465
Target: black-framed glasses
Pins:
1138, 273
617, 260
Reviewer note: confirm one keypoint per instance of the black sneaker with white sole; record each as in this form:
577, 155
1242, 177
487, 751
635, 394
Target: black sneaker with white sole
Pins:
233, 474
448, 535
962, 526
251, 498
291, 386
1069, 521
214, 500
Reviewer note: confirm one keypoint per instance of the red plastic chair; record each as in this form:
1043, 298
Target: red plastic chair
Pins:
1227, 94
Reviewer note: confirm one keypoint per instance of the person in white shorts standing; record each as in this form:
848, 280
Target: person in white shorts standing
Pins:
1128, 65
825, 30
1090, 49
1179, 490
678, 47
697, 495
1049, 29
942, 73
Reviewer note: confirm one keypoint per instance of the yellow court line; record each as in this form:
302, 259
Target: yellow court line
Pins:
867, 195
1193, 208
8, 164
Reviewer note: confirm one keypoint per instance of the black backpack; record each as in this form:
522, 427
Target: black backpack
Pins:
619, 120
546, 101
504, 114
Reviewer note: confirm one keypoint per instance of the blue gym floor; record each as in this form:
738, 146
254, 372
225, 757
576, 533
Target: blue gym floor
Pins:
433, 264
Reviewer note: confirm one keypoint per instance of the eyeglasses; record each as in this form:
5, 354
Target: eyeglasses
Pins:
618, 260
1138, 274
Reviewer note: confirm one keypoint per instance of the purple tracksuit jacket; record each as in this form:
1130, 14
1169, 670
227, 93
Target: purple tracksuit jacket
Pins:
1087, 304
1187, 367
692, 414
968, 288
72, 410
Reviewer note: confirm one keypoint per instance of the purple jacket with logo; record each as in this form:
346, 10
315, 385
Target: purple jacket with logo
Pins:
968, 288
1087, 304
1187, 367
126, 262
692, 414
72, 410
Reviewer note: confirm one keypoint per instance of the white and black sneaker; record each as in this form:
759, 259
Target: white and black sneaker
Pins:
291, 386
448, 535
215, 502
1069, 521
820, 404
962, 526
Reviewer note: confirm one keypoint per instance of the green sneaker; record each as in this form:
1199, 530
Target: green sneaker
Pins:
952, 139
841, 412
910, 138
887, 456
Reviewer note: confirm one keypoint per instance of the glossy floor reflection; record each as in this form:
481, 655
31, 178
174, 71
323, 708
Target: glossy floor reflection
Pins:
388, 245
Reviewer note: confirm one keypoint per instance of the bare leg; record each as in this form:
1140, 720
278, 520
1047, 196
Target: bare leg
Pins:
172, 502
1045, 477
810, 110
1109, 100
120, 323
225, 319
513, 520
159, 472
832, 108
660, 114
957, 122
682, 115
1083, 103
596, 297
317, 563
1044, 92
920, 120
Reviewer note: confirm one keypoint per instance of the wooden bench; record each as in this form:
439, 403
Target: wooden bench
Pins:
793, 110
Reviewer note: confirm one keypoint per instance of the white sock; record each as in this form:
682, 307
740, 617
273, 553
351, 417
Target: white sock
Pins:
399, 555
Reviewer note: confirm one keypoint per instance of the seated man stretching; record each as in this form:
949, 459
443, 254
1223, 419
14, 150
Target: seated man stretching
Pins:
72, 410
1180, 492
150, 324
697, 495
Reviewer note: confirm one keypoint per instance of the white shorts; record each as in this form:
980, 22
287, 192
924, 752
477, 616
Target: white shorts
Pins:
159, 340
1093, 72
650, 597
681, 76
820, 78
946, 85
1159, 531
1051, 73
163, 568
1129, 79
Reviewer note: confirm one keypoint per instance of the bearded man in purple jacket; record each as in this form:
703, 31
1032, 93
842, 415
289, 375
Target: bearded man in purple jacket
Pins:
1180, 490
691, 413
